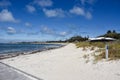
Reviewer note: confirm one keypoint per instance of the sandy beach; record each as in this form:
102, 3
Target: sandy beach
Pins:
65, 63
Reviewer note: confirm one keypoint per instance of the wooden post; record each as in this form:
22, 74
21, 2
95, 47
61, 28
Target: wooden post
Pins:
106, 55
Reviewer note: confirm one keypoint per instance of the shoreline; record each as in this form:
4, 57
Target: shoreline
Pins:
10, 55
65, 63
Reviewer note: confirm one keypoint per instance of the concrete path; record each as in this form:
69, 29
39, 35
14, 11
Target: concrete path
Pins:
9, 73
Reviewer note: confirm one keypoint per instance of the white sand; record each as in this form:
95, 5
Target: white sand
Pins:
66, 63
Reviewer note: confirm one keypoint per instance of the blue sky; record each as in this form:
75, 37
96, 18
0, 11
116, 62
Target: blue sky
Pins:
41, 20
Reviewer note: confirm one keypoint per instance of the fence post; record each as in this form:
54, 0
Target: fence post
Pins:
106, 55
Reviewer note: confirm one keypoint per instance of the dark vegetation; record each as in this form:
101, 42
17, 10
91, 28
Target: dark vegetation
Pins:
111, 34
77, 39
60, 41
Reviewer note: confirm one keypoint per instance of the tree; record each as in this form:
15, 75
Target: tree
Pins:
114, 31
110, 34
109, 31
77, 38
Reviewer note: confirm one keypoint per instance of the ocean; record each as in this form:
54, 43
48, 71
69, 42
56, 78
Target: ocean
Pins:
6, 48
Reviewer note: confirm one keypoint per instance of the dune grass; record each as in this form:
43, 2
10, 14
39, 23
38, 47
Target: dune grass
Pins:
90, 44
114, 49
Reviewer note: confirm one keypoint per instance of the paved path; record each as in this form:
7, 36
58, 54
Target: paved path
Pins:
9, 73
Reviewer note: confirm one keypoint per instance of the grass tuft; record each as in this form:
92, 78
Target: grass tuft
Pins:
114, 49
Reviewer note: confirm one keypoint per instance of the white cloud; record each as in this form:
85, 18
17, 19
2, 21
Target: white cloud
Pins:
44, 3
77, 10
49, 31
46, 30
6, 16
28, 24
54, 12
11, 30
30, 8
63, 33
4, 3
80, 11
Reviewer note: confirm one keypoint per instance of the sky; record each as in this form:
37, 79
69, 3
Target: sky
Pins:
43, 20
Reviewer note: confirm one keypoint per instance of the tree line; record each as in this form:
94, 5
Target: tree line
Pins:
111, 34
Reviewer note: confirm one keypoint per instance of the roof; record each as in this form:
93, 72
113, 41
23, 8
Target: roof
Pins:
102, 38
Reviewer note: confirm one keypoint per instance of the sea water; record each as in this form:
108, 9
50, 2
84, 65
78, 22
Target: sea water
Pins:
6, 48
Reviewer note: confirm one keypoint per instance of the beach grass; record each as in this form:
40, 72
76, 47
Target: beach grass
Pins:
90, 44
114, 49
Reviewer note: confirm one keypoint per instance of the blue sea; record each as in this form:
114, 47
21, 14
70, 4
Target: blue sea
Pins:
20, 48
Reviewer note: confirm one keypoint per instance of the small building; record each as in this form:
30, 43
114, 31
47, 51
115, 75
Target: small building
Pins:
101, 39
